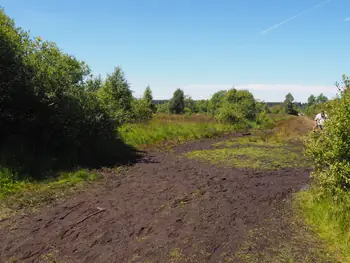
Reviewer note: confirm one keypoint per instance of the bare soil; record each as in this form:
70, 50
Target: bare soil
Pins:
165, 208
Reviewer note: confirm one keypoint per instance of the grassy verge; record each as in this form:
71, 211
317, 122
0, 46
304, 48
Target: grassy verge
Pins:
329, 218
176, 128
18, 194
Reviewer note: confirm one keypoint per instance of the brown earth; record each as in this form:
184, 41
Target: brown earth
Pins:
165, 208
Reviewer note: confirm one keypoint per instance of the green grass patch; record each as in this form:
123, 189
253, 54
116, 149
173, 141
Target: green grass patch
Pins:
329, 217
264, 158
161, 130
251, 140
17, 194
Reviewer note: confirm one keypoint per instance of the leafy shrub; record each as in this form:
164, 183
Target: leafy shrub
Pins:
50, 116
142, 110
230, 113
330, 149
162, 108
264, 120
187, 111
236, 106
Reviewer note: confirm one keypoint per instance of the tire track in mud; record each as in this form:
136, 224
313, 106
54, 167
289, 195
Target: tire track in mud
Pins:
166, 209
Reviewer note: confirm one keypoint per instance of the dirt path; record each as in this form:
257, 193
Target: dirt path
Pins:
166, 209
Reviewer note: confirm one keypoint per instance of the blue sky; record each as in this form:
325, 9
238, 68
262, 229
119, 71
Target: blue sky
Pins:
270, 47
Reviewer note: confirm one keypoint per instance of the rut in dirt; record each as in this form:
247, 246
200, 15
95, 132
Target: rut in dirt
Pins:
167, 208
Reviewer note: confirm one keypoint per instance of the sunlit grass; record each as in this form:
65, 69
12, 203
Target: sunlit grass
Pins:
329, 217
175, 128
29, 193
265, 158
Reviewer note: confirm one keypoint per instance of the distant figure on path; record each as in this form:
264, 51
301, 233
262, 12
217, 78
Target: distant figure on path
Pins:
320, 120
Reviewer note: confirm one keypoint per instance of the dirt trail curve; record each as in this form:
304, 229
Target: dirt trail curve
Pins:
167, 209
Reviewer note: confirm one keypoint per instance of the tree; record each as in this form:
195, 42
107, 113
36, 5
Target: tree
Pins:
289, 105
48, 118
163, 108
148, 98
201, 106
116, 96
177, 103
216, 101
236, 106
311, 100
321, 98
94, 84
189, 103
147, 95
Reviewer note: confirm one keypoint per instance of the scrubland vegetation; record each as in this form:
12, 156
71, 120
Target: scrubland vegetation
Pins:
55, 116
327, 205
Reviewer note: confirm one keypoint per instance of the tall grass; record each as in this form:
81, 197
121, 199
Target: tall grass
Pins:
330, 218
175, 128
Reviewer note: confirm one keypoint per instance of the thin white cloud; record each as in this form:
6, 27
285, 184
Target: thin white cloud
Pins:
347, 19
294, 17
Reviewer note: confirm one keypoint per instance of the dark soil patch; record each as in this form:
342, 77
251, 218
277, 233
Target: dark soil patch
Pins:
167, 209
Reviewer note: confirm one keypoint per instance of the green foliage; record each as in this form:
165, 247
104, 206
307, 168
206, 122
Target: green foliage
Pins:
187, 111
177, 103
330, 150
264, 120
31, 194
216, 101
261, 107
147, 96
316, 105
230, 113
321, 98
190, 104
142, 110
93, 84
277, 109
326, 206
201, 106
50, 116
163, 108
236, 106
116, 96
289, 106
311, 100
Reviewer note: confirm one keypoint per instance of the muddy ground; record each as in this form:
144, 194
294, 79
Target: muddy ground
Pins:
167, 208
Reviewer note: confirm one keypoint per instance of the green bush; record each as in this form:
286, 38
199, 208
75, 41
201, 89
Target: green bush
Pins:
264, 120
236, 106
230, 113
330, 149
142, 110
50, 115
